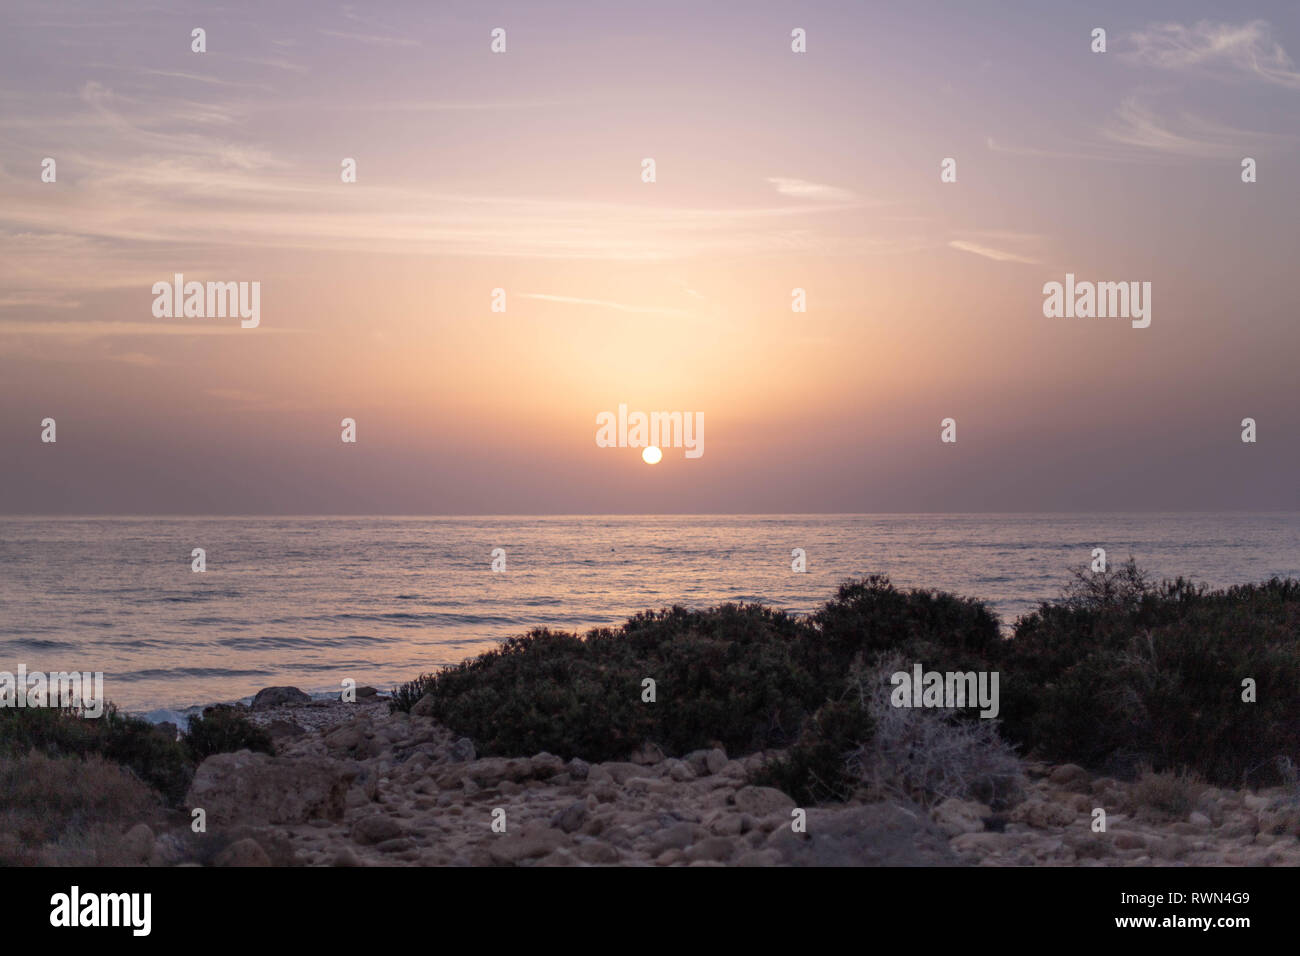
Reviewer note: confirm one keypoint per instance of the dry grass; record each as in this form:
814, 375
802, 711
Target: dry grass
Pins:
928, 756
68, 811
1166, 795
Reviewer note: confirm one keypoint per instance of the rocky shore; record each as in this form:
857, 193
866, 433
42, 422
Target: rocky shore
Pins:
352, 785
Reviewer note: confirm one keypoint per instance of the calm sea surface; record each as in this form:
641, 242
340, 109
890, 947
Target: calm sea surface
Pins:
311, 601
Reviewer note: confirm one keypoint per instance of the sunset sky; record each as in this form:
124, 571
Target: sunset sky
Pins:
522, 171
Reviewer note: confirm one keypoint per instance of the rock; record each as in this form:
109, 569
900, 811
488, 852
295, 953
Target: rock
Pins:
1088, 845
571, 818
546, 765
1238, 825
281, 729
508, 848
1072, 777
137, 844
874, 834
1199, 820
763, 801
637, 785
622, 771
246, 852
716, 760
647, 755
366, 691
423, 707
277, 696
169, 850
680, 771
955, 817
986, 844
600, 854
1042, 814
375, 828
462, 751
714, 848
579, 768
356, 739
258, 788
759, 858
396, 845
706, 762
676, 837
1281, 819
346, 857
1130, 840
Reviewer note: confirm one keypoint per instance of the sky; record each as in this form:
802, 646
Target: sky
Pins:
523, 171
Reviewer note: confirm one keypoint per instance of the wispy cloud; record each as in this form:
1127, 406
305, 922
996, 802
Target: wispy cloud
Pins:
988, 252
802, 189
1136, 125
1244, 50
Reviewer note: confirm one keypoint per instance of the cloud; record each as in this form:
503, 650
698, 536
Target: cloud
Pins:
802, 189
1246, 49
997, 255
1135, 125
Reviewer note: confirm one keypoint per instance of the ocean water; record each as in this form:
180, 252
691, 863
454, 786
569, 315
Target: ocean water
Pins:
311, 601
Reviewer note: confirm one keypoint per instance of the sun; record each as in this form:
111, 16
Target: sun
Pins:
651, 455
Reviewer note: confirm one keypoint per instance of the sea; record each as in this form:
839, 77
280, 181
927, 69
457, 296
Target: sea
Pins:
314, 601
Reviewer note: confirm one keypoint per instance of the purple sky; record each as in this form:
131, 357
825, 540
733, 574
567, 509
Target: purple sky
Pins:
522, 171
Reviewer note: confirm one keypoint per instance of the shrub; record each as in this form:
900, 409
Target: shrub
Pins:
930, 755
870, 617
1128, 672
816, 767
732, 675
223, 730
67, 810
136, 744
743, 676
1167, 795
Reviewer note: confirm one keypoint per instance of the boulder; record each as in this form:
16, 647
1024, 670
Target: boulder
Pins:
1072, 777
462, 751
246, 852
277, 696
571, 818
375, 828
763, 801
875, 834
254, 788
137, 844
955, 817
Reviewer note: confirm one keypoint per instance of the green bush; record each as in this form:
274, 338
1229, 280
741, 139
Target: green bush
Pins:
1123, 672
731, 675
743, 676
871, 617
223, 730
136, 744
816, 767
154, 756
